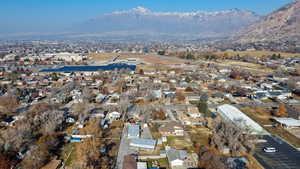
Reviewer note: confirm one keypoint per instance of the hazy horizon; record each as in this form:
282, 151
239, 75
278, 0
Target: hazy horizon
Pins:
51, 16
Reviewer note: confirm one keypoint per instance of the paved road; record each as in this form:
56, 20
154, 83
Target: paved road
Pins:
287, 157
123, 149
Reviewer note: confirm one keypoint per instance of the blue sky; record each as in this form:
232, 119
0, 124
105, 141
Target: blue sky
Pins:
53, 15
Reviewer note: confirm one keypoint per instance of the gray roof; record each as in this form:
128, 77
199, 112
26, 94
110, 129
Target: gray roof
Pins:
143, 143
134, 130
173, 154
289, 122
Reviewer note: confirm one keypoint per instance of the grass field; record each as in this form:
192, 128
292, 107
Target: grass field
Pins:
245, 65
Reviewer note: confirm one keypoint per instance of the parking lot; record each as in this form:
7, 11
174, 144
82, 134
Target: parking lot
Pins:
286, 157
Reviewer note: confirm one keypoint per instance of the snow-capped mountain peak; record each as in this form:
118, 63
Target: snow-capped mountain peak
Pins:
144, 11
141, 20
141, 9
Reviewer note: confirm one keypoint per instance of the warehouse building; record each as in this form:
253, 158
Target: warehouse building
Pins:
238, 118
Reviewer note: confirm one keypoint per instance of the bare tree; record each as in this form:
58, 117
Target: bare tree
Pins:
37, 157
210, 159
226, 134
5, 163
9, 102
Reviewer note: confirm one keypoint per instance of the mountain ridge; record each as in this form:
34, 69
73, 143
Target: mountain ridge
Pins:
281, 25
193, 25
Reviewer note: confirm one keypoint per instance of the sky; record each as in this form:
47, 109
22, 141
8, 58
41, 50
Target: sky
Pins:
53, 15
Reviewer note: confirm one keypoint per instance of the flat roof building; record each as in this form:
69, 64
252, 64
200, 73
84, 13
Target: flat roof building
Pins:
287, 122
147, 144
238, 118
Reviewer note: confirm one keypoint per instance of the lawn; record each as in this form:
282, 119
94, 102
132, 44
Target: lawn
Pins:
163, 163
68, 154
180, 143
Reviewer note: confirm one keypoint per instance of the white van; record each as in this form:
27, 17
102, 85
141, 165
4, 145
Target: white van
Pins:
270, 149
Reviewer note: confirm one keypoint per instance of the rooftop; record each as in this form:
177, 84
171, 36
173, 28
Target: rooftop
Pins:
240, 119
289, 122
134, 131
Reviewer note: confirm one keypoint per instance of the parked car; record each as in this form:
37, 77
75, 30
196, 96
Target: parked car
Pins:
270, 149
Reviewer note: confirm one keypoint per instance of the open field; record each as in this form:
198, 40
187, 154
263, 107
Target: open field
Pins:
257, 53
149, 58
68, 154
243, 65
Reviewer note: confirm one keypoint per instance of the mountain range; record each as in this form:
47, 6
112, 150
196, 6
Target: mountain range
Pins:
161, 25
280, 26
237, 26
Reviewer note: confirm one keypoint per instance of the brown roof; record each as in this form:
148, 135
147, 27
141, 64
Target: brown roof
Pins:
129, 162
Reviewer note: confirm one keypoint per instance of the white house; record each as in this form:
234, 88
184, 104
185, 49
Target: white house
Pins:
113, 116
193, 112
180, 159
141, 165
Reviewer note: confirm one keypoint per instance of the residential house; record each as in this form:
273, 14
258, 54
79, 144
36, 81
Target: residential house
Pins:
171, 129
279, 94
193, 112
113, 116
180, 159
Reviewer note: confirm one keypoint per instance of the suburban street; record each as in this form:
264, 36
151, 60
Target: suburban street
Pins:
286, 157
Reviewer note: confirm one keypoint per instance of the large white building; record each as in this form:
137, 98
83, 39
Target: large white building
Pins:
238, 118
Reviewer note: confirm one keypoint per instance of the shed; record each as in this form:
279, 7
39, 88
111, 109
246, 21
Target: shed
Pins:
141, 165
287, 122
